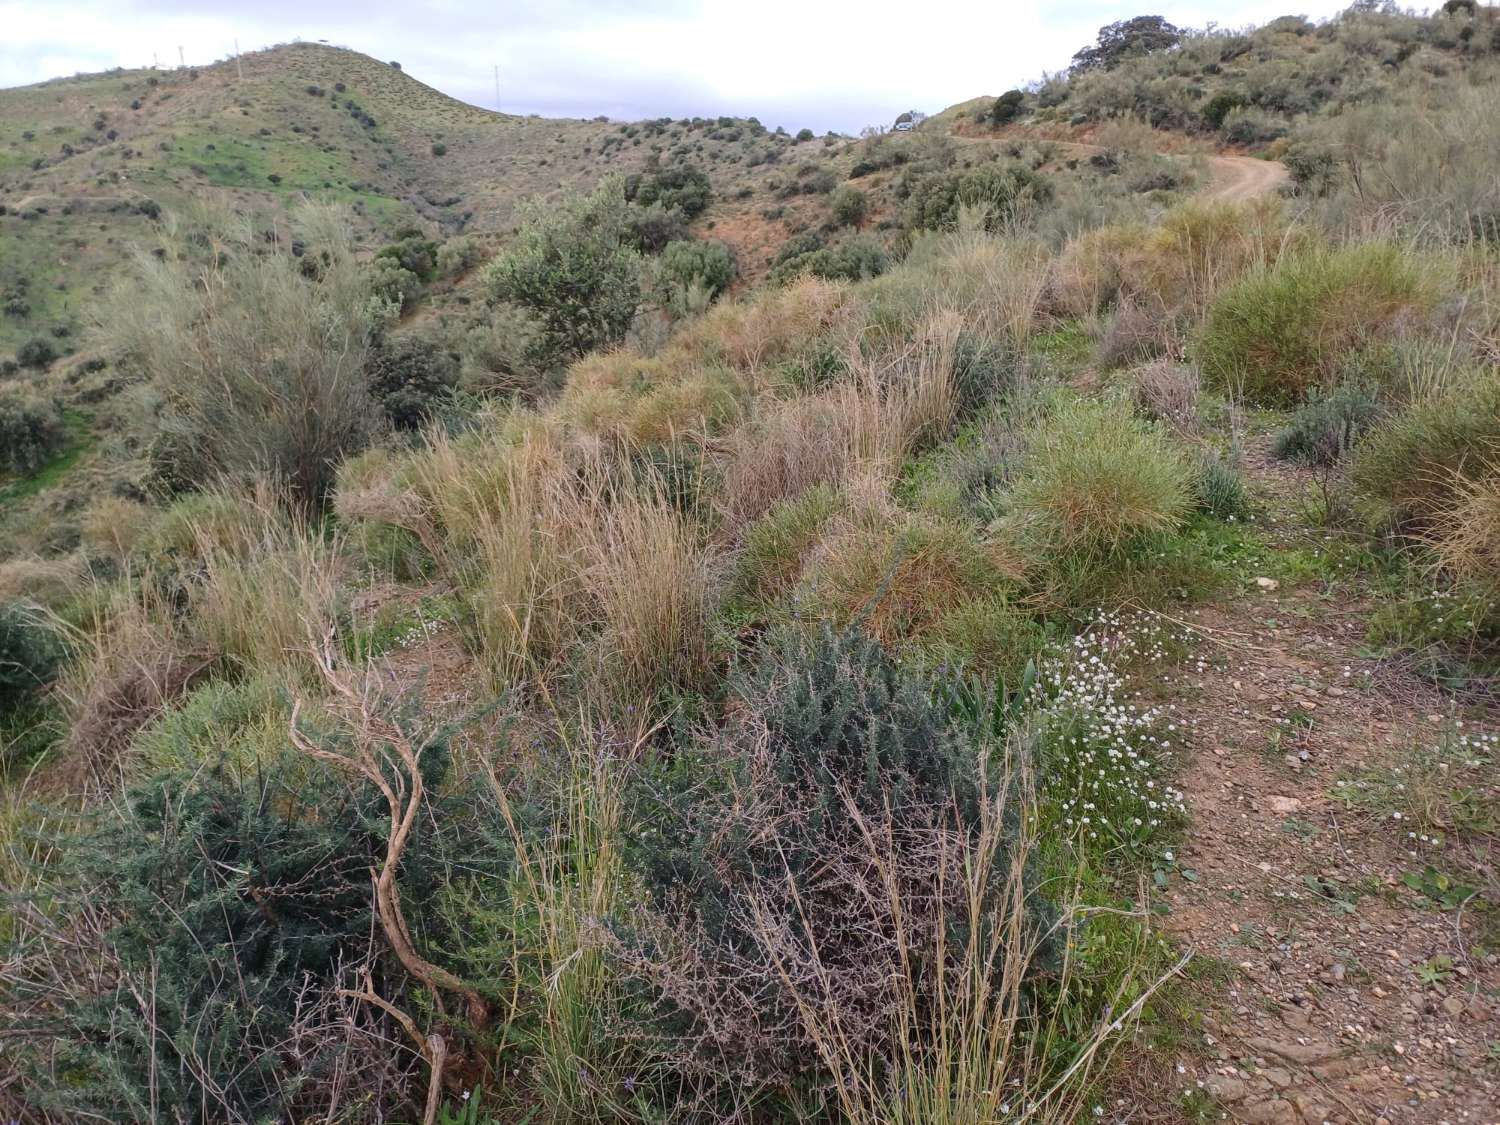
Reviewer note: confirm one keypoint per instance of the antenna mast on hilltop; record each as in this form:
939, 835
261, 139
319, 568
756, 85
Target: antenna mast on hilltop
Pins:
239, 67
181, 59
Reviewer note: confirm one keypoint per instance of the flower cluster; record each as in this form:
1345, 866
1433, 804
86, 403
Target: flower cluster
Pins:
1106, 753
419, 632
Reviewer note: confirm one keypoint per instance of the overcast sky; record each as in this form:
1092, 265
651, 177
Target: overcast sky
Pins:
827, 64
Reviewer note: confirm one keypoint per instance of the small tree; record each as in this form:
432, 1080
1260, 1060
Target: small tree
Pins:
572, 266
1008, 106
1141, 35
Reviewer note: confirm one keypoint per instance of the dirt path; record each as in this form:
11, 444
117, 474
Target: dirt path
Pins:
1238, 178
1347, 995
1235, 178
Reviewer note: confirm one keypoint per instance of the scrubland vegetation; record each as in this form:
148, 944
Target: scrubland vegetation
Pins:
630, 696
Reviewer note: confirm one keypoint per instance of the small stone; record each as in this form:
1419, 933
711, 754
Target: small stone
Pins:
1453, 1007
1225, 1089
1267, 583
1279, 1077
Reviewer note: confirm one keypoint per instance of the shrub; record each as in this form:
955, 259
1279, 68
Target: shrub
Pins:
32, 432
458, 255
439, 148
37, 352
651, 229
1251, 127
1326, 427
681, 187
849, 206
572, 267
407, 375
1000, 192
813, 889
1412, 465
260, 367
1169, 393
230, 909
1282, 330
701, 264
1096, 482
855, 258
30, 654
394, 284
1008, 107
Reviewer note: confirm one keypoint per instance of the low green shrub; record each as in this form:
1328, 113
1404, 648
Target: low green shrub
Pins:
681, 187
31, 652
1326, 427
1000, 191
231, 907
1283, 330
706, 265
826, 864
408, 374
855, 258
37, 352
777, 546
32, 432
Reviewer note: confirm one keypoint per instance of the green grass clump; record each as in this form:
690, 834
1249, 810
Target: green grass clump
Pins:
1097, 480
1412, 465
776, 547
1285, 329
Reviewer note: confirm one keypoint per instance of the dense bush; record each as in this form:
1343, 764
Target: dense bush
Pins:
30, 653
1000, 191
854, 258
408, 374
703, 263
651, 229
32, 432
231, 904
849, 206
1008, 107
1326, 427
394, 284
815, 854
1283, 330
37, 352
574, 269
682, 187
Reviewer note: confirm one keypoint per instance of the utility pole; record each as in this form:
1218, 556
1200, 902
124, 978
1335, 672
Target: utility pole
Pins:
239, 67
497, 88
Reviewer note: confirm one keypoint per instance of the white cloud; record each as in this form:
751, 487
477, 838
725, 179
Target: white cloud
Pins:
792, 62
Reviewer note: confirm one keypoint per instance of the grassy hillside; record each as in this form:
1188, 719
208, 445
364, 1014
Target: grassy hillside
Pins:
991, 623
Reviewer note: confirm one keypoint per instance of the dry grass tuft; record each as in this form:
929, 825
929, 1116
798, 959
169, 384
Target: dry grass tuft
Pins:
1168, 392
